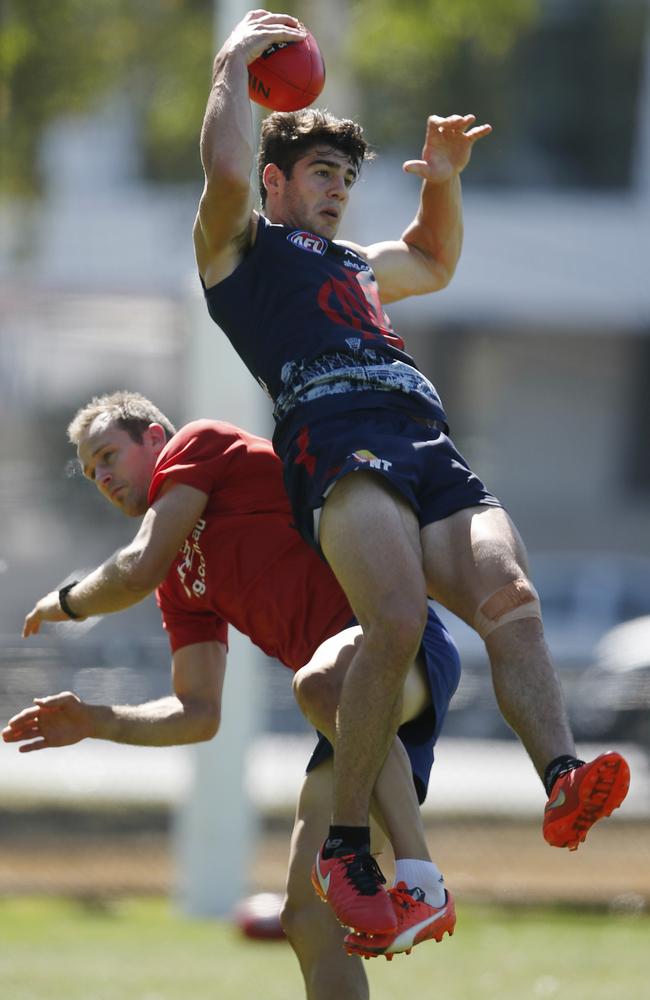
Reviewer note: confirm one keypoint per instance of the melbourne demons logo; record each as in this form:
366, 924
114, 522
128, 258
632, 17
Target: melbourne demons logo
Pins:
353, 301
307, 241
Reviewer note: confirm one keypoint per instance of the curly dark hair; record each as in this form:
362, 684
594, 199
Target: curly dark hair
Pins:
287, 135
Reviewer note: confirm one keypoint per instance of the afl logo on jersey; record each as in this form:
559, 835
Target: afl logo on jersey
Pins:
307, 241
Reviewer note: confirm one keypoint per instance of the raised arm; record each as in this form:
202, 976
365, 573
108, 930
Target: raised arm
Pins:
424, 258
223, 225
134, 571
190, 715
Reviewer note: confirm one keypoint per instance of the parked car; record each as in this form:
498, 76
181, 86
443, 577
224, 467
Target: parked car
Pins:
613, 696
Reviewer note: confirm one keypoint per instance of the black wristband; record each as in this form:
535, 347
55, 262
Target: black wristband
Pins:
63, 601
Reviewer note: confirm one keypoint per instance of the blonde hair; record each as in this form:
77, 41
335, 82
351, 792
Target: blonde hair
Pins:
129, 410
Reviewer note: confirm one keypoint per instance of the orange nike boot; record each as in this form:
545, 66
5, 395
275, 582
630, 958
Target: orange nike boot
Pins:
579, 798
416, 922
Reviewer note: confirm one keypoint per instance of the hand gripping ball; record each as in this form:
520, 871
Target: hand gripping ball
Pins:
287, 76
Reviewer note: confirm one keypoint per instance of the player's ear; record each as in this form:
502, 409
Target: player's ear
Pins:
272, 178
157, 436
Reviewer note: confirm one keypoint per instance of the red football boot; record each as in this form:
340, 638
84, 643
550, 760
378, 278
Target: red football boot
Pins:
416, 922
352, 883
579, 798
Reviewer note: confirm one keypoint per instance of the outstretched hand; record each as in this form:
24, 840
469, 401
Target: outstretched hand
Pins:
447, 147
48, 609
56, 721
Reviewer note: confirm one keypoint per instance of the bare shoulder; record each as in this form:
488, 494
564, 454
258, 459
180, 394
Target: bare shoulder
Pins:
216, 263
381, 256
398, 270
355, 247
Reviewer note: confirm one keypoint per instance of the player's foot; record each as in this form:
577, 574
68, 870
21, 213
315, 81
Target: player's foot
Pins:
416, 922
581, 797
353, 885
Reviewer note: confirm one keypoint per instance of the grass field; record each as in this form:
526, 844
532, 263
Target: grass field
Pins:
53, 948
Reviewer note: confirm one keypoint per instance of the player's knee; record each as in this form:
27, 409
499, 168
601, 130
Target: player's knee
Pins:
399, 629
308, 688
517, 600
316, 692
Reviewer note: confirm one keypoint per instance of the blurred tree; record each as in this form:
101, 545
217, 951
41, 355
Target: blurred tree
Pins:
65, 58
540, 73
420, 57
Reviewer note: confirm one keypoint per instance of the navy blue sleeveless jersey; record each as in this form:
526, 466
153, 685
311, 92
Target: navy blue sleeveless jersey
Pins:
304, 312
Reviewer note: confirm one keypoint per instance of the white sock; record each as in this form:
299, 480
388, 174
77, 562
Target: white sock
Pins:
425, 875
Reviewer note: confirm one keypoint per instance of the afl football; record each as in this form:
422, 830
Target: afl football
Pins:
287, 76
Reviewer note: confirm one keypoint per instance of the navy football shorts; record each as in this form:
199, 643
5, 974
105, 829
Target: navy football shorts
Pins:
415, 455
442, 665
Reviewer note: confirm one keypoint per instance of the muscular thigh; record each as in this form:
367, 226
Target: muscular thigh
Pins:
471, 555
371, 538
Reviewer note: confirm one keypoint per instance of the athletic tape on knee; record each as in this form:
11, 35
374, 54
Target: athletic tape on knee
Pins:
518, 599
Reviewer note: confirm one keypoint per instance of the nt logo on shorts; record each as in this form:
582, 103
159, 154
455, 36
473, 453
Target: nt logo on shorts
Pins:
371, 460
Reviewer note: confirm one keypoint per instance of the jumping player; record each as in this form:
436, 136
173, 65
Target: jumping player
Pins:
216, 542
374, 481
